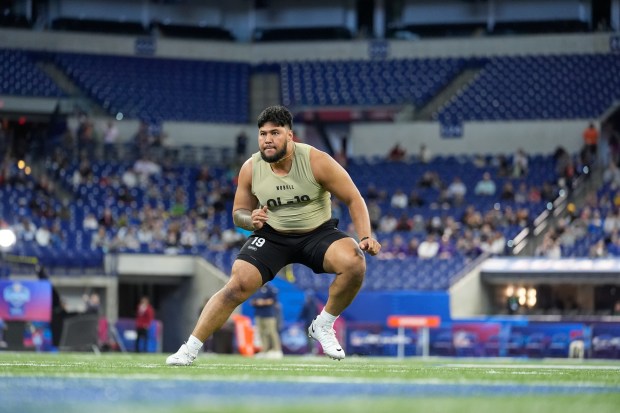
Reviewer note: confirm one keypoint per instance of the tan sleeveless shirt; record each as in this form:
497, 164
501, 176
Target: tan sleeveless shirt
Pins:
296, 201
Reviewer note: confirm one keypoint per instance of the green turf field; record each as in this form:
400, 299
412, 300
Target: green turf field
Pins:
61, 382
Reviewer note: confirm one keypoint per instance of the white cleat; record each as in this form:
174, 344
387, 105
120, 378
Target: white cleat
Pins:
181, 357
327, 337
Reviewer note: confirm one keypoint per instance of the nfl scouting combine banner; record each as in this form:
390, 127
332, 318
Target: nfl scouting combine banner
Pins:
25, 300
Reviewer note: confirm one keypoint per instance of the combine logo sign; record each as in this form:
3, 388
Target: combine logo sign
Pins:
17, 296
25, 300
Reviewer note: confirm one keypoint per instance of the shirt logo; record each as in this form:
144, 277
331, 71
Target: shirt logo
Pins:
284, 187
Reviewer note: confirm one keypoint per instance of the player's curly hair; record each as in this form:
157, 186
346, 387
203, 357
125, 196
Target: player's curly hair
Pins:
278, 115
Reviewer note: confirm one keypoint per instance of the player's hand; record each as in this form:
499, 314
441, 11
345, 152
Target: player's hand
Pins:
370, 245
259, 217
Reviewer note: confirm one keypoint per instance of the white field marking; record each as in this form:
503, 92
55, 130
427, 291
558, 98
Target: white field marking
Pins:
305, 379
535, 366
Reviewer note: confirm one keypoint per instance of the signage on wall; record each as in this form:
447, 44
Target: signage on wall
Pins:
378, 49
451, 131
145, 46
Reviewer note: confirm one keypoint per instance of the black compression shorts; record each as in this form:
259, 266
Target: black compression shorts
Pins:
270, 250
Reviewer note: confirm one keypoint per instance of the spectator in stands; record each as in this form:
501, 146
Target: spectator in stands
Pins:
457, 190
485, 186
145, 315
86, 139
424, 155
374, 212
430, 180
204, 174
25, 230
397, 247
110, 136
520, 164
145, 167
397, 153
84, 173
508, 192
232, 238
564, 165
468, 244
43, 236
611, 223
388, 223
189, 237
129, 178
471, 217
548, 192
417, 224
502, 164
142, 139
412, 247
611, 176
435, 226
90, 222
429, 247
521, 196
534, 195
598, 249
590, 137
241, 146
100, 240
127, 238
447, 249
549, 247
404, 223
173, 237
496, 244
106, 219
399, 199
444, 201
415, 200
374, 194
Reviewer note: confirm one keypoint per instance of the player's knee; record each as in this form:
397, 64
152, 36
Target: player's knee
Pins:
237, 293
355, 266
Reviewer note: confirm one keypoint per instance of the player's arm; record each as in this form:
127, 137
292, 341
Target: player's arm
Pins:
335, 179
245, 214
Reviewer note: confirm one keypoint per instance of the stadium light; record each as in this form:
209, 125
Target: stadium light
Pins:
7, 238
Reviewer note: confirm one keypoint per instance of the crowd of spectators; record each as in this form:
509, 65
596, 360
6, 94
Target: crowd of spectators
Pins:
153, 204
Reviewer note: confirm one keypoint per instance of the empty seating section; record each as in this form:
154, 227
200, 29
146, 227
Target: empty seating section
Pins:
155, 89
538, 87
20, 76
163, 89
366, 83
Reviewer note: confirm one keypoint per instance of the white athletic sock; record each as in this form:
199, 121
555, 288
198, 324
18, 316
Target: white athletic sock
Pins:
326, 318
193, 344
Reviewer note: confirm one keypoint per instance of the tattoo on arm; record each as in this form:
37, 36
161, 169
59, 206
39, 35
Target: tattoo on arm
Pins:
243, 218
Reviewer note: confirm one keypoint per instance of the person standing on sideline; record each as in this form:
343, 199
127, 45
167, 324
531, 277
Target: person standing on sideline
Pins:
145, 315
265, 302
283, 196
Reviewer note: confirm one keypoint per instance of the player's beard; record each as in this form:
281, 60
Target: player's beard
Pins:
276, 156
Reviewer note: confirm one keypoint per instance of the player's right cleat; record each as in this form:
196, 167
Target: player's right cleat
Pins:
181, 358
327, 337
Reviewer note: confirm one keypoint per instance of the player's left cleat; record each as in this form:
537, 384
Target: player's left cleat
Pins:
327, 337
181, 358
